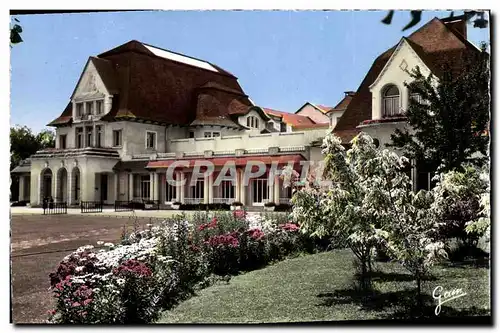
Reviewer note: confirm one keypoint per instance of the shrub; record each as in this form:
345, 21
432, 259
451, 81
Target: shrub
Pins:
237, 203
269, 204
157, 267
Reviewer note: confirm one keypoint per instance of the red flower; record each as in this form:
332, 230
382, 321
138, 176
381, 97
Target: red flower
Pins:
239, 214
289, 227
256, 233
134, 267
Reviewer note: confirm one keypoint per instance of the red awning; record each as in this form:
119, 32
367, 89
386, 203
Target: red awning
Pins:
238, 161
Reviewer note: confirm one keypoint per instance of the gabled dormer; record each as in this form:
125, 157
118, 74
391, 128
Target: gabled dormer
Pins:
390, 96
93, 94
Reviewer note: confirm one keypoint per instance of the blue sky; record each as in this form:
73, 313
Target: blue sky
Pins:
282, 58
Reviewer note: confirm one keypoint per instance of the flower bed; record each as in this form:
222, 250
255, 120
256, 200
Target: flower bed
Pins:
155, 268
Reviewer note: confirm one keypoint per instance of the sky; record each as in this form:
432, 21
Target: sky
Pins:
282, 58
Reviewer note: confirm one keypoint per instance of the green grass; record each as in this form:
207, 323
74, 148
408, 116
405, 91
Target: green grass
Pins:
320, 288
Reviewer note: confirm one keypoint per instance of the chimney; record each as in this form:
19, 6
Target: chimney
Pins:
457, 23
349, 93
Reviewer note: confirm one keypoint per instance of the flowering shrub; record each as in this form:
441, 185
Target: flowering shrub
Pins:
155, 268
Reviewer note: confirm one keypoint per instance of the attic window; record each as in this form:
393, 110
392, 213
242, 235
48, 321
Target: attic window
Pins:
98, 107
79, 109
390, 101
252, 122
282, 127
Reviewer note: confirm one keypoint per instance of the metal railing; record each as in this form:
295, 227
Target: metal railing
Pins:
123, 206
284, 201
54, 208
151, 204
223, 200
193, 201
91, 206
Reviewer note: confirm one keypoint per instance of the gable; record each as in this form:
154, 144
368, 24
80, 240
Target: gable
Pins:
313, 113
396, 71
90, 84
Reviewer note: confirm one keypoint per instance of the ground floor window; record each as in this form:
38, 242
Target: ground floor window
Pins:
170, 192
260, 190
226, 189
198, 190
145, 187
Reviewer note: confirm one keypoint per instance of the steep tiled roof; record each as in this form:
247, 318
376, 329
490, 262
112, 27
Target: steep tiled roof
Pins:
290, 118
436, 43
164, 86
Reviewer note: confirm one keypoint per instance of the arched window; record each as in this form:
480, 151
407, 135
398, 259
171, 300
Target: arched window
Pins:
390, 101
252, 122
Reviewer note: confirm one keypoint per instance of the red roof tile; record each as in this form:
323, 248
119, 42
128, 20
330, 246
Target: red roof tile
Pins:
152, 87
290, 118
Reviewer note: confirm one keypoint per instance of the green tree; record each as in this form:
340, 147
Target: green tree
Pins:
448, 125
478, 17
15, 33
24, 143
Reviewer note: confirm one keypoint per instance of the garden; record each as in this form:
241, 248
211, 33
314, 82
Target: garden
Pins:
358, 241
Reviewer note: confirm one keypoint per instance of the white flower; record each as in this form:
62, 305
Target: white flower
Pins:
100, 242
120, 282
109, 244
79, 268
96, 290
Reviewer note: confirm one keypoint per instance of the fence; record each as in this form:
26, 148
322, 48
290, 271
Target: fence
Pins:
53, 208
91, 206
151, 205
123, 206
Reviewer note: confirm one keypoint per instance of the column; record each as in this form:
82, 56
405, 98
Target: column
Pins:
177, 185
152, 186
117, 186
159, 186
155, 186
55, 190
130, 186
21, 188
94, 134
206, 186
39, 200
70, 188
237, 185
182, 176
277, 189
211, 188
243, 188
270, 187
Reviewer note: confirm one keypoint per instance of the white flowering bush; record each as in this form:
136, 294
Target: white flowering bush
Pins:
361, 200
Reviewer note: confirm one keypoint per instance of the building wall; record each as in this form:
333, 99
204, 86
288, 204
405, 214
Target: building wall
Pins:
396, 73
246, 141
313, 113
88, 166
335, 117
243, 121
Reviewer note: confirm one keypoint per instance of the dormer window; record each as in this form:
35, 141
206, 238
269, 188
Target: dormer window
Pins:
79, 109
416, 97
252, 122
98, 107
89, 108
390, 102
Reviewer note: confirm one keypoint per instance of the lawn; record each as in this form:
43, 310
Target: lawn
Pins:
320, 288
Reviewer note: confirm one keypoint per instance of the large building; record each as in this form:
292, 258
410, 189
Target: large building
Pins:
137, 108
378, 106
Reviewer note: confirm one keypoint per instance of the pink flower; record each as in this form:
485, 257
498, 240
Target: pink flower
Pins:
75, 304
87, 301
289, 227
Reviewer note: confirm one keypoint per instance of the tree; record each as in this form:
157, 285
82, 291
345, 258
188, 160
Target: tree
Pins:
448, 125
23, 143
362, 200
416, 15
15, 33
